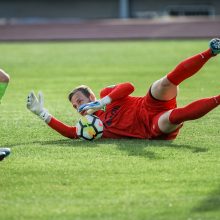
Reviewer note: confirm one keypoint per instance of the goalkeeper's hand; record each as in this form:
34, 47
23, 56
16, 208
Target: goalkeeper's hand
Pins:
91, 107
36, 105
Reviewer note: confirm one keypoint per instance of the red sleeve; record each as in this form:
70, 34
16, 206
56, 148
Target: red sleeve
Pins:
118, 91
65, 130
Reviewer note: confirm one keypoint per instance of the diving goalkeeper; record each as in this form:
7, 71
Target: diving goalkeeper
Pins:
153, 116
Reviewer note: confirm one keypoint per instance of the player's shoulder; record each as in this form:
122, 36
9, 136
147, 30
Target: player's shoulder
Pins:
105, 91
110, 86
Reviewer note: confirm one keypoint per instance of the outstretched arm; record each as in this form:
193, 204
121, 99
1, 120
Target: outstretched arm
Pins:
35, 105
65, 130
108, 95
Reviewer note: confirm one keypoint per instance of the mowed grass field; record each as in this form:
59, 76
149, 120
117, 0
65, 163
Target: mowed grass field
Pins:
50, 177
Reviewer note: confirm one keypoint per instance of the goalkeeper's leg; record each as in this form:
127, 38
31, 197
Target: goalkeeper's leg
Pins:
167, 87
4, 80
172, 119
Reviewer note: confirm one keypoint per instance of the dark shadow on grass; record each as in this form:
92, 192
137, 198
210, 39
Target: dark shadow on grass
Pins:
141, 147
211, 203
193, 149
133, 147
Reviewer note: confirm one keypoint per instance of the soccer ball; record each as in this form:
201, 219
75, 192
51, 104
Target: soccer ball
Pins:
89, 127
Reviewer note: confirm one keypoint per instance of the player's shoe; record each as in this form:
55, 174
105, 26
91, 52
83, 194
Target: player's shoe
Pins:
4, 152
214, 45
2, 155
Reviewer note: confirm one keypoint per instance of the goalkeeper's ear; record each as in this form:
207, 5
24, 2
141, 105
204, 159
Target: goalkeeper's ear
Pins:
92, 97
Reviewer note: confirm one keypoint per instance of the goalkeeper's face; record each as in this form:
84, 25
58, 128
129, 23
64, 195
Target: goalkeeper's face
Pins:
79, 99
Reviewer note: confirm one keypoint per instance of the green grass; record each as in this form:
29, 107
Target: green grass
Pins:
50, 177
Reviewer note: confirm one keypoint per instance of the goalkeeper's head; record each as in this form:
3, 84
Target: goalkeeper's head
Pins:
81, 95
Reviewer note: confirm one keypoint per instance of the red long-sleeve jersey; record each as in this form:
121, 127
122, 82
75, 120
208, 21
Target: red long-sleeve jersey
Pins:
117, 92
125, 117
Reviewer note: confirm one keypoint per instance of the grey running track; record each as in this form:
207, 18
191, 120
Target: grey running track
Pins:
111, 29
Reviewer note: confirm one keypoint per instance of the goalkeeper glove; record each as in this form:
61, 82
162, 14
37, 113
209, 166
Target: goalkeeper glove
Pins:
35, 105
92, 107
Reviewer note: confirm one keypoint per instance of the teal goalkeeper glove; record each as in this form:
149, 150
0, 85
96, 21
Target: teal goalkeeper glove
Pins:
92, 107
35, 105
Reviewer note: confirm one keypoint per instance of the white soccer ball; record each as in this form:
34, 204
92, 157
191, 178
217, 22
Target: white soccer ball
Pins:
89, 127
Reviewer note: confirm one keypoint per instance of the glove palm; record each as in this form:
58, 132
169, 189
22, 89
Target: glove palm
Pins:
35, 105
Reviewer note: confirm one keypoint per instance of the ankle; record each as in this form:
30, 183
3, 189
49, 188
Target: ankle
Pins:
217, 99
207, 54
